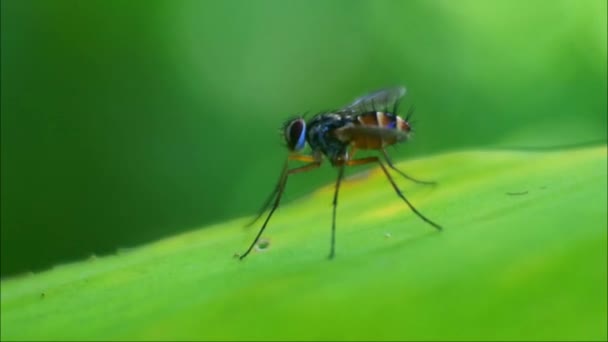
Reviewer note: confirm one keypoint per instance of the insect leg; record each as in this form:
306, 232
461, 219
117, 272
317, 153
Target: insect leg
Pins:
369, 160
335, 204
268, 200
390, 164
280, 190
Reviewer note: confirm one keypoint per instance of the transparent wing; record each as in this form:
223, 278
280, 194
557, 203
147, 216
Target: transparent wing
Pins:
382, 99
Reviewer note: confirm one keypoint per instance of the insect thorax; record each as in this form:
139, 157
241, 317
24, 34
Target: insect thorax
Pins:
320, 135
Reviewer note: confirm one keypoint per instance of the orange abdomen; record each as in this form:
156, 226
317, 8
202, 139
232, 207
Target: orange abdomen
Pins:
380, 119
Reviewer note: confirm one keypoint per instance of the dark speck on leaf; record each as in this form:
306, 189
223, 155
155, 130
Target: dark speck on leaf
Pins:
262, 245
517, 193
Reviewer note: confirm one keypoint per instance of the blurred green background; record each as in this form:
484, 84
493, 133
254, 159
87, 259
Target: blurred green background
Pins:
127, 121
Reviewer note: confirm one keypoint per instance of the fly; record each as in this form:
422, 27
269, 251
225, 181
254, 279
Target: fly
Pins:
371, 122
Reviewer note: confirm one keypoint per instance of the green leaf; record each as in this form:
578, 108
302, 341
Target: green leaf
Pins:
522, 256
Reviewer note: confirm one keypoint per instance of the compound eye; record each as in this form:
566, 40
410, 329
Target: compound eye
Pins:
295, 134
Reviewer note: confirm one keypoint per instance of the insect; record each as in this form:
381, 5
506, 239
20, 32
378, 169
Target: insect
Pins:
369, 123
